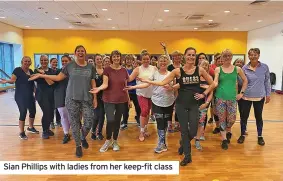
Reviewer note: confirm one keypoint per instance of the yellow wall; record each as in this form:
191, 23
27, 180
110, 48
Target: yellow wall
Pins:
62, 41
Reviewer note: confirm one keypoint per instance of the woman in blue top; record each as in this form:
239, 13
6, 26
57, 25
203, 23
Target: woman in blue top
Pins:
24, 96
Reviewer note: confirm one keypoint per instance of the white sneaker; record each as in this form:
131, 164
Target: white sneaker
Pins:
106, 145
115, 146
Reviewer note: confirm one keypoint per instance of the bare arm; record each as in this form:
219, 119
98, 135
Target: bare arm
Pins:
140, 86
55, 78
216, 76
12, 80
166, 52
167, 80
134, 74
244, 78
49, 82
209, 80
104, 84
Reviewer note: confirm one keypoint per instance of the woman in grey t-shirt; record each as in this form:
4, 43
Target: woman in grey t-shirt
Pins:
78, 99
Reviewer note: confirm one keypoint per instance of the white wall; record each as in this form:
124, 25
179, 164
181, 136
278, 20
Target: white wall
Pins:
12, 35
270, 42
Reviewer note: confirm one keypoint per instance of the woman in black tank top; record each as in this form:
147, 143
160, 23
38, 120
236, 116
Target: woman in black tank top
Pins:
187, 106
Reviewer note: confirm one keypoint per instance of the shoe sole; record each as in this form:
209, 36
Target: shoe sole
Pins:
116, 149
102, 151
164, 150
23, 138
32, 132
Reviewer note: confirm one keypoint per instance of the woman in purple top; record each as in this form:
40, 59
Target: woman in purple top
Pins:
257, 92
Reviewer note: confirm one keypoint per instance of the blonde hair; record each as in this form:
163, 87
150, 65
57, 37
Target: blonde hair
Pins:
226, 51
239, 59
204, 63
106, 57
162, 57
176, 52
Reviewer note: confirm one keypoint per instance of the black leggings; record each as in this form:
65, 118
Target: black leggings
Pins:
113, 115
47, 106
176, 117
134, 98
162, 115
25, 105
188, 119
99, 115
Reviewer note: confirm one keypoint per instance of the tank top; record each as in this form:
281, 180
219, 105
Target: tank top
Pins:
189, 85
226, 89
145, 73
99, 82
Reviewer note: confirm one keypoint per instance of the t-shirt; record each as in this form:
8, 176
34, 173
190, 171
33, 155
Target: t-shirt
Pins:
132, 83
79, 83
24, 88
43, 88
60, 91
161, 96
116, 83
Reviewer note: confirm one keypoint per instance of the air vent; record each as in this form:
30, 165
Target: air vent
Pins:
88, 16
259, 2
195, 17
81, 24
210, 25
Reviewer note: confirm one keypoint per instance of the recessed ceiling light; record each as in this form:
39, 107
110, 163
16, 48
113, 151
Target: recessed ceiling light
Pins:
195, 28
259, 21
104, 9
159, 20
236, 28
227, 11
70, 27
27, 26
56, 18
109, 19
2, 17
210, 20
166, 10
113, 27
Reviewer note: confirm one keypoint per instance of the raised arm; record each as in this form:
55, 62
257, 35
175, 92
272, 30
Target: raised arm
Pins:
166, 52
12, 80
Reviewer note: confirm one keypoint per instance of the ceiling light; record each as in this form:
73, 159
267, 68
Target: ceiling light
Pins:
70, 27
259, 21
166, 10
56, 18
236, 28
210, 20
27, 26
227, 11
113, 27
109, 19
160, 20
2, 17
195, 28
104, 9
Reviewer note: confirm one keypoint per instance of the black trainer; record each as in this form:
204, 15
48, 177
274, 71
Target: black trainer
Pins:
32, 130
187, 159
79, 152
124, 127
216, 131
93, 136
84, 144
241, 139
100, 136
66, 138
210, 121
228, 136
23, 136
260, 141
224, 145
45, 135
50, 133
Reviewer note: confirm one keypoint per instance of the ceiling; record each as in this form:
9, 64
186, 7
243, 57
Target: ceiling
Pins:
141, 15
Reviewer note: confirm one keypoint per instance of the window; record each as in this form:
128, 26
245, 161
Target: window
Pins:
6, 60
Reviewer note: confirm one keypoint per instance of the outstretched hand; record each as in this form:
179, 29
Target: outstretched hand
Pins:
128, 88
34, 77
143, 80
3, 81
94, 90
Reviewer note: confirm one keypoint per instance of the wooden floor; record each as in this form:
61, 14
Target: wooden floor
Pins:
240, 162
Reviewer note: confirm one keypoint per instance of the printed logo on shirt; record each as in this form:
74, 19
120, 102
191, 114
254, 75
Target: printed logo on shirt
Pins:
191, 80
82, 72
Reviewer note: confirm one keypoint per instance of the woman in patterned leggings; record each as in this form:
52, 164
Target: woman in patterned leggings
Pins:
226, 95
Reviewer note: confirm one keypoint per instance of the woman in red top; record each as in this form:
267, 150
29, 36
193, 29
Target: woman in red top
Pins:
114, 97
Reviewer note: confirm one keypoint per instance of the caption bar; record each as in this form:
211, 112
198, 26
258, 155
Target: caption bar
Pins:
89, 168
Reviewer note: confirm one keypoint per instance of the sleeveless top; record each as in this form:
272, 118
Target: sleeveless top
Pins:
189, 85
227, 82
145, 73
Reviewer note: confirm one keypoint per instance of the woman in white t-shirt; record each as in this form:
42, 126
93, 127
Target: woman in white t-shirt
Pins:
162, 101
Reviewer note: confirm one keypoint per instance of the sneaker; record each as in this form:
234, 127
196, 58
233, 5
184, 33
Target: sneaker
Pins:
52, 126
198, 146
45, 135
100, 136
51, 133
241, 139
160, 148
106, 145
124, 127
224, 145
260, 141
66, 138
79, 152
216, 131
93, 136
23, 136
84, 144
210, 121
170, 129
32, 130
115, 146
228, 136
202, 138
187, 159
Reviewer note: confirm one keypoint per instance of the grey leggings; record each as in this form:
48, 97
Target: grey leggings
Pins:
76, 109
